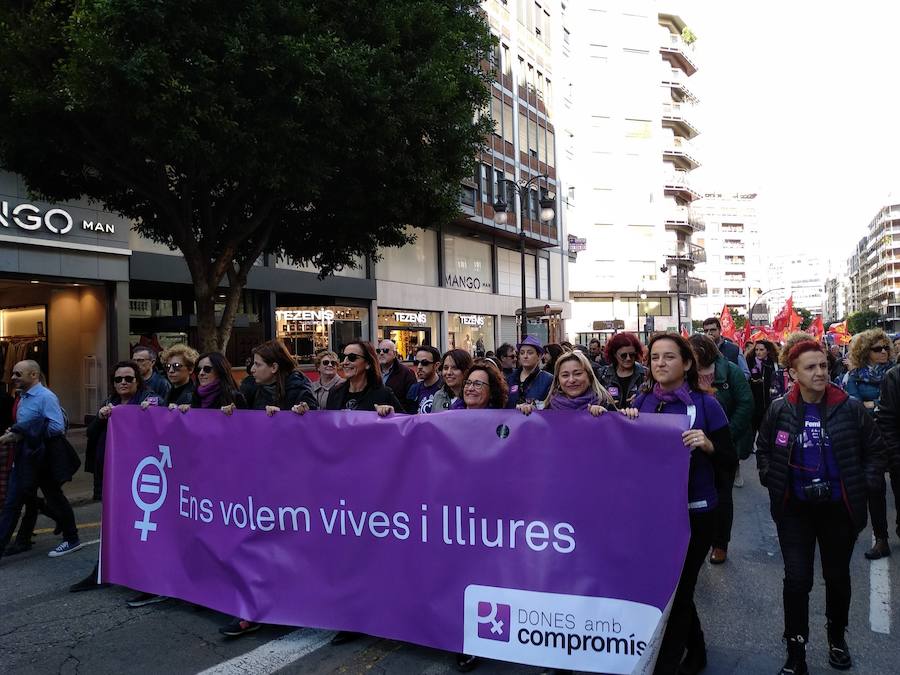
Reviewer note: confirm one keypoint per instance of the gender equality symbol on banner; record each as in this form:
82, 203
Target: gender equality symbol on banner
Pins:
150, 478
493, 621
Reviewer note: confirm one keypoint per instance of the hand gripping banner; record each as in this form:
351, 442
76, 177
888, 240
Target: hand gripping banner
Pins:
555, 539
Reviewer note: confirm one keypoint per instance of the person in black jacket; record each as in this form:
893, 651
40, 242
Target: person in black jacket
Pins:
279, 385
364, 389
180, 361
887, 416
393, 373
819, 453
216, 387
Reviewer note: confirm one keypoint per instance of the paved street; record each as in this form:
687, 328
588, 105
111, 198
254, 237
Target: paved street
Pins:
45, 629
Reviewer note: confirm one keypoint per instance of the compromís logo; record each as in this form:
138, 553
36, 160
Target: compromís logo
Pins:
556, 630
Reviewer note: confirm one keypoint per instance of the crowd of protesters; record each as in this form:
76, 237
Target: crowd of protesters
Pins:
825, 427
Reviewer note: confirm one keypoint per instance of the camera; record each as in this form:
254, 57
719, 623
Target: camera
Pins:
818, 491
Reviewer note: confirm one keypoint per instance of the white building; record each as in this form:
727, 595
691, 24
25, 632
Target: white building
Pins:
628, 118
733, 268
797, 275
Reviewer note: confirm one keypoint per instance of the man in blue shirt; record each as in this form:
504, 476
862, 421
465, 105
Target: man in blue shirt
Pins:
40, 460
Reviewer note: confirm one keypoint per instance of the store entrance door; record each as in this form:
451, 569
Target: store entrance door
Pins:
407, 339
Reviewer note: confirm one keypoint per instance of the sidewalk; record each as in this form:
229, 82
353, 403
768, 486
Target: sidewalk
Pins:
81, 489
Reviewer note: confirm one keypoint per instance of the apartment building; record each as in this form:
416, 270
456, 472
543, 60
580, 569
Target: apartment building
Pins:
799, 276
733, 267
873, 270
627, 158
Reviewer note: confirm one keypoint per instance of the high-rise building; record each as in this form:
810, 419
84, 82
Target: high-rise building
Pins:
873, 270
799, 276
627, 157
733, 267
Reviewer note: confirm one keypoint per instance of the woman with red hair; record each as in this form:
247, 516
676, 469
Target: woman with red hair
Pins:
624, 375
819, 453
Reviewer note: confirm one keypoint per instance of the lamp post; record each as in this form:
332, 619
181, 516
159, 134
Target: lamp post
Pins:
501, 216
758, 296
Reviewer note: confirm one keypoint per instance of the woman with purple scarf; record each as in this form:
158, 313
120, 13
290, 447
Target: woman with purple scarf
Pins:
575, 387
673, 387
216, 387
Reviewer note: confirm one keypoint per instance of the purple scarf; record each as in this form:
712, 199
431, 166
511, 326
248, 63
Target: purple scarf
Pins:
683, 394
207, 393
583, 402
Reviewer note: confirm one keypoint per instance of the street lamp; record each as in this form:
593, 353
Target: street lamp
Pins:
547, 202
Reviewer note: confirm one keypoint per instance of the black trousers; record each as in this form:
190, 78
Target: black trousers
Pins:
683, 628
878, 505
802, 525
724, 517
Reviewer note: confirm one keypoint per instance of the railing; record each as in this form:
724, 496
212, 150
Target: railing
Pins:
689, 286
687, 251
681, 215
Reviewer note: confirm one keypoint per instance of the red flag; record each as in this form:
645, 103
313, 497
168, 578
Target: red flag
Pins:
795, 322
760, 334
839, 328
817, 328
728, 329
684, 333
745, 335
783, 317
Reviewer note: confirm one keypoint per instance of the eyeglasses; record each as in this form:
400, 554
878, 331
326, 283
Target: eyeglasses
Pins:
475, 384
628, 355
127, 379
879, 349
352, 357
206, 370
174, 366
423, 362
382, 350
329, 362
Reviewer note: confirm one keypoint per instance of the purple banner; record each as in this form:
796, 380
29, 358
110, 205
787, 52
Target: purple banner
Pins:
555, 539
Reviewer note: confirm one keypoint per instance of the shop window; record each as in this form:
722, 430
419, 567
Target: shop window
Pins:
467, 264
473, 333
414, 263
310, 330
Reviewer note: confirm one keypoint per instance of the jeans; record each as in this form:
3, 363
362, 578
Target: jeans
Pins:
878, 505
801, 526
725, 512
683, 625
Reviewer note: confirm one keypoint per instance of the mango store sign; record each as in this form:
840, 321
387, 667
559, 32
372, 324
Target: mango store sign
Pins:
58, 221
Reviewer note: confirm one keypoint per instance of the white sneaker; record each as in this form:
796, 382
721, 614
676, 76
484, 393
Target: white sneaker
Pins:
65, 548
738, 479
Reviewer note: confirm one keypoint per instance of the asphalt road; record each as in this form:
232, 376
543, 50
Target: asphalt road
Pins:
45, 629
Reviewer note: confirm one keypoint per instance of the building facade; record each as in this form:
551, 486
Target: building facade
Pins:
628, 124
733, 266
799, 276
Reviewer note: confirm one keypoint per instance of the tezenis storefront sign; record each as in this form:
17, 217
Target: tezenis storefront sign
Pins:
56, 220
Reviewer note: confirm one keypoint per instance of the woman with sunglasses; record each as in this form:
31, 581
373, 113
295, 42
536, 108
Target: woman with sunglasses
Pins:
624, 375
180, 361
575, 387
454, 365
216, 388
327, 366
673, 387
279, 385
128, 389
870, 359
363, 388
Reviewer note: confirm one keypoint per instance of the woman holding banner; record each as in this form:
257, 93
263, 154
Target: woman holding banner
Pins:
180, 361
454, 365
575, 387
483, 387
216, 388
674, 388
819, 454
279, 385
625, 374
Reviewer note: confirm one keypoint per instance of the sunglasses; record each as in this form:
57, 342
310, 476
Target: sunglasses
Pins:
206, 370
127, 379
329, 362
475, 384
628, 355
352, 357
422, 362
382, 350
174, 366
879, 349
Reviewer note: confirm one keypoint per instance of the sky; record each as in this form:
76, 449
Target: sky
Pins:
799, 102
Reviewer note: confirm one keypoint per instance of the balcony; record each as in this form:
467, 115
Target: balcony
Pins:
678, 151
686, 256
681, 219
675, 79
675, 117
675, 51
689, 286
678, 185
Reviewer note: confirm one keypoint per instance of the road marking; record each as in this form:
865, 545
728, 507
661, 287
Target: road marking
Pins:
880, 596
86, 526
274, 655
